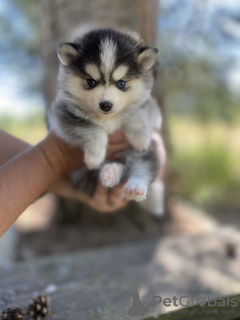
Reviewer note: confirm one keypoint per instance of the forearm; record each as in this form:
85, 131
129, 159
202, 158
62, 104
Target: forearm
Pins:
26, 177
10, 146
22, 181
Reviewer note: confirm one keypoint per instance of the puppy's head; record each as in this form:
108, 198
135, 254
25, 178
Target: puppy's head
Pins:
106, 71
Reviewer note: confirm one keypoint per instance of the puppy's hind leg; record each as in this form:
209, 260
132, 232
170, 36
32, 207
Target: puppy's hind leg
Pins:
142, 169
137, 185
111, 174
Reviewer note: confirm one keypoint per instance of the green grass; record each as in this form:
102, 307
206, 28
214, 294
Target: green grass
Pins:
205, 162
207, 174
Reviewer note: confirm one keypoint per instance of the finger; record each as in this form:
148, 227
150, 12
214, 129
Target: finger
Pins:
101, 199
114, 206
115, 196
116, 156
100, 195
118, 146
111, 208
117, 190
116, 137
78, 195
68, 191
116, 149
65, 189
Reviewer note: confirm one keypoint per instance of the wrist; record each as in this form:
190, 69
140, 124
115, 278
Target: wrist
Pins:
59, 156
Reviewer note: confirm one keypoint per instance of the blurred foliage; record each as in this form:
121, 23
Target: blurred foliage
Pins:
31, 129
205, 165
194, 88
198, 50
20, 45
20, 27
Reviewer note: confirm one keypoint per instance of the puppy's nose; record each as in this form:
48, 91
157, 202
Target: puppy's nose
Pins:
105, 106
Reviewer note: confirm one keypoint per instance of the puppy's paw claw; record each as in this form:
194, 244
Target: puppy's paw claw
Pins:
135, 190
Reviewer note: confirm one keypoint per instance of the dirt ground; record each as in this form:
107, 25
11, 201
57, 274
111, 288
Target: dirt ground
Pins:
44, 230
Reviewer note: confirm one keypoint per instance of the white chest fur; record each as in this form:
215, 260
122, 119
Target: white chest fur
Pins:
110, 124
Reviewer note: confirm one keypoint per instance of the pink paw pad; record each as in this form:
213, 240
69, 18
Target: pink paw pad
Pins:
108, 176
136, 191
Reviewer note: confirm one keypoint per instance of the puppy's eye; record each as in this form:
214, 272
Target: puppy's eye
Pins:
91, 83
121, 84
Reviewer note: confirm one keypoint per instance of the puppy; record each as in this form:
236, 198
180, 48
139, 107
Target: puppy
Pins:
105, 84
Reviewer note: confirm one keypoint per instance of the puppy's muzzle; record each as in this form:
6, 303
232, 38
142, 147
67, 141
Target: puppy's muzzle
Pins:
105, 106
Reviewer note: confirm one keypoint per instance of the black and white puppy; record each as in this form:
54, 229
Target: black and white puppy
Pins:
104, 84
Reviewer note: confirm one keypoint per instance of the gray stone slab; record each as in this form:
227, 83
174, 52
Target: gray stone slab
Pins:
7, 243
97, 284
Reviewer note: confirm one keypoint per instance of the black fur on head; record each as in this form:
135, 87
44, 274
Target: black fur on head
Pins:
129, 51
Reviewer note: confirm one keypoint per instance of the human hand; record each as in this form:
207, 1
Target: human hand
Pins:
33, 172
103, 200
61, 157
66, 158
117, 143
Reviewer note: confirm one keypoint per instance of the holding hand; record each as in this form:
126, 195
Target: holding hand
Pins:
103, 199
38, 169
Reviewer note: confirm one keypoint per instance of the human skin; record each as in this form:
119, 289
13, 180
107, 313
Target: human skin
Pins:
42, 168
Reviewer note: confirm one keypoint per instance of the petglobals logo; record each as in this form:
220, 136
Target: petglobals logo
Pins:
133, 307
216, 302
203, 300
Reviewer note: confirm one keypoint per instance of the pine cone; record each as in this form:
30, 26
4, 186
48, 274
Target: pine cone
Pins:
39, 307
12, 314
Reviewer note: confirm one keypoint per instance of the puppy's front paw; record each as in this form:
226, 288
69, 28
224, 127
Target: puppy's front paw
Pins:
111, 174
135, 189
95, 149
93, 161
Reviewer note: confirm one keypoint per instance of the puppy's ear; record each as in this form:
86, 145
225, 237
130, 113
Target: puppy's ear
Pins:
67, 51
147, 57
134, 35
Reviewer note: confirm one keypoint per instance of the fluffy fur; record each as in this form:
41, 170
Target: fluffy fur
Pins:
90, 105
